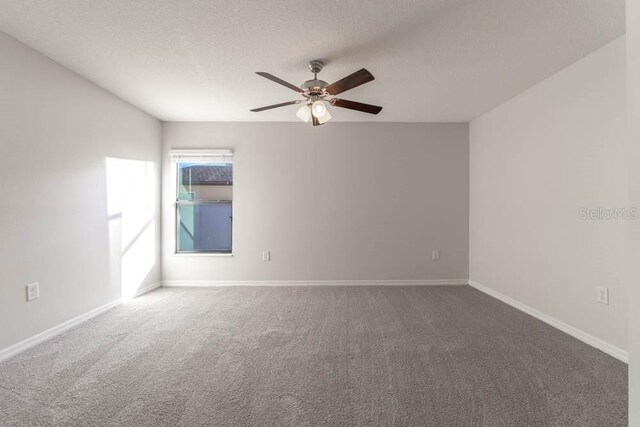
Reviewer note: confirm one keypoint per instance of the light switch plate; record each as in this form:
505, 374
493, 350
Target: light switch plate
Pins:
266, 256
435, 255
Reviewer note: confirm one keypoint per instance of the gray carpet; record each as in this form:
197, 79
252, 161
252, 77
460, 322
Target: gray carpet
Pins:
441, 356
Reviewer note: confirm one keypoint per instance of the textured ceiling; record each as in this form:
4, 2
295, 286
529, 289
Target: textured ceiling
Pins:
434, 60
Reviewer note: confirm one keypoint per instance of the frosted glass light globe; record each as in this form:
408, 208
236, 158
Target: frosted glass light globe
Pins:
318, 109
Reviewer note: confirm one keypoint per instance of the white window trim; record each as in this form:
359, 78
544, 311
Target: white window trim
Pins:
192, 254
196, 155
218, 155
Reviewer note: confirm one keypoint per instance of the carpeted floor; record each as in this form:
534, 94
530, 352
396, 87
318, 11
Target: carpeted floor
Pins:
441, 356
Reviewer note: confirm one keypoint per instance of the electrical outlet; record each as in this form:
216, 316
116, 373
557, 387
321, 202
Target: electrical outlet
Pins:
602, 295
33, 291
266, 256
435, 255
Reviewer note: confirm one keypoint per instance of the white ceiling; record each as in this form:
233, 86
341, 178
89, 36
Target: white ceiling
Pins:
434, 60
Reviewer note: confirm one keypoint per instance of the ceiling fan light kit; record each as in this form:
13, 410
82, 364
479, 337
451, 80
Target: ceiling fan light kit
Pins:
317, 93
304, 113
324, 118
318, 108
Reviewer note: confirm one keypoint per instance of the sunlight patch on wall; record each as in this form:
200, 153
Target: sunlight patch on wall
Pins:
132, 225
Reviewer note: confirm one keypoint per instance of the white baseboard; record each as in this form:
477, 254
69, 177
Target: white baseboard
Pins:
610, 349
147, 288
50, 333
214, 283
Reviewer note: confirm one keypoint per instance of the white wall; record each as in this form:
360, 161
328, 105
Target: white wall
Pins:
535, 161
345, 201
56, 132
633, 278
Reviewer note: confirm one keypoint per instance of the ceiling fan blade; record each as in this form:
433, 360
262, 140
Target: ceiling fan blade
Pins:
269, 107
358, 106
352, 80
279, 81
315, 121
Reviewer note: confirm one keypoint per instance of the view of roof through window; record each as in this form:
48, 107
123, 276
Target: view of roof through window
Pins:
206, 174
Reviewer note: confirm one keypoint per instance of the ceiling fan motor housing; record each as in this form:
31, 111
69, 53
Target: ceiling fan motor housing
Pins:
315, 86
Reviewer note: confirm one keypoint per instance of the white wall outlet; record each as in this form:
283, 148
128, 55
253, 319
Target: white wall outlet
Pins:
602, 295
33, 291
266, 256
435, 254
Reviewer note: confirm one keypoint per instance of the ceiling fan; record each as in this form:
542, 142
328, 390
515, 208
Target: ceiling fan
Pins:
317, 93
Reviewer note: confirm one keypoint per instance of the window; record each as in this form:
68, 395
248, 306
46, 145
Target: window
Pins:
204, 201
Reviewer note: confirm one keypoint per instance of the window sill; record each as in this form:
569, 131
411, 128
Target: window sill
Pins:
187, 254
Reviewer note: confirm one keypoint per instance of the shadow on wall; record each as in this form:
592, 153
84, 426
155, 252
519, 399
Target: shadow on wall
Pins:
132, 223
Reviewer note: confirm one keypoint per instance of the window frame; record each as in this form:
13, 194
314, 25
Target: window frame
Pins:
204, 157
